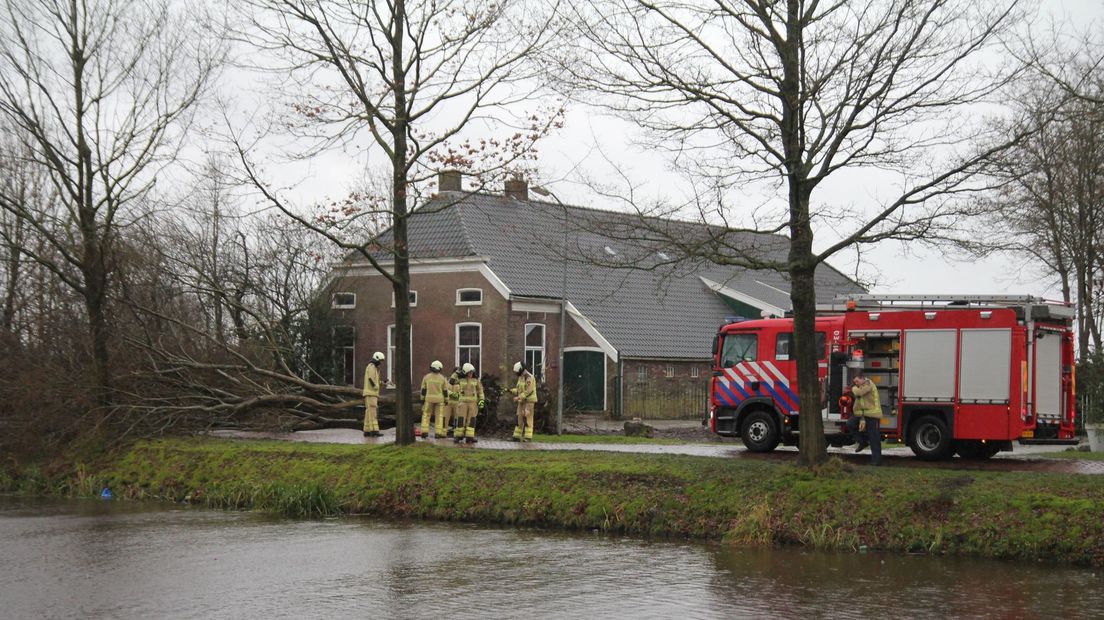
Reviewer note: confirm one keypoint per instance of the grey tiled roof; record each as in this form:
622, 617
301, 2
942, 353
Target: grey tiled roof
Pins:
665, 313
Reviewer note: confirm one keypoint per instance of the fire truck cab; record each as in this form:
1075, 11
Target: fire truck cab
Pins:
964, 375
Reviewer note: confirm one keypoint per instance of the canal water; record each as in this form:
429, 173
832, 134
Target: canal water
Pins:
99, 559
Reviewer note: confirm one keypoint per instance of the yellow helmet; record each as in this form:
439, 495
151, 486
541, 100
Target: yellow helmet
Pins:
518, 367
436, 365
467, 368
377, 357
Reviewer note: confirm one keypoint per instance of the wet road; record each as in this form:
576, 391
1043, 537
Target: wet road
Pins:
1024, 459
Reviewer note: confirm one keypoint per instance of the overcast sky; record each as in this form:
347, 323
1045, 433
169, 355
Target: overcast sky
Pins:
894, 268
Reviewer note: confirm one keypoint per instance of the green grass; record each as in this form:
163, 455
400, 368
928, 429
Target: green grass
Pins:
1015, 515
614, 439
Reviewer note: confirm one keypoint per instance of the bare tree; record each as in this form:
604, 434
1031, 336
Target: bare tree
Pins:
409, 79
784, 95
100, 93
1052, 207
195, 374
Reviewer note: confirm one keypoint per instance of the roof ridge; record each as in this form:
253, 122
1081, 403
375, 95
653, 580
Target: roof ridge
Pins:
463, 228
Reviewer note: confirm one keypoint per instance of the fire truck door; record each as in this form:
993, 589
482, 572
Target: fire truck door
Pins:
1048, 377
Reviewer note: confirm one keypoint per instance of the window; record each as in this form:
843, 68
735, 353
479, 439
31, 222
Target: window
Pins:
344, 301
739, 348
391, 340
784, 350
641, 374
344, 354
695, 372
669, 372
469, 338
469, 296
413, 298
534, 349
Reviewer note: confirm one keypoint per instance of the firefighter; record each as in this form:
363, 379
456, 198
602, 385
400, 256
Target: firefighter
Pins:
434, 387
470, 389
371, 395
453, 403
867, 417
525, 395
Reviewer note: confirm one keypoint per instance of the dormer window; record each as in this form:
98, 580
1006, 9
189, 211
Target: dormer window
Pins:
344, 301
469, 297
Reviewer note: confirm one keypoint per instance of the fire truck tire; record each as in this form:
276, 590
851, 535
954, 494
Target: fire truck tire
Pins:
760, 431
930, 439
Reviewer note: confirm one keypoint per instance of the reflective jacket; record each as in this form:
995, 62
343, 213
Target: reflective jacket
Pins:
434, 387
454, 386
471, 390
526, 388
371, 380
867, 403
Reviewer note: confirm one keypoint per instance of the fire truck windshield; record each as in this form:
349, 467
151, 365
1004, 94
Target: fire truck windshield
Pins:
739, 348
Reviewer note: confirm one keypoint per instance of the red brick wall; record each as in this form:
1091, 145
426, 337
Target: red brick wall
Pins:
434, 322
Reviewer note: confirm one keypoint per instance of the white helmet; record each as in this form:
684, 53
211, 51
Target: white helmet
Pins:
436, 365
518, 366
377, 357
466, 368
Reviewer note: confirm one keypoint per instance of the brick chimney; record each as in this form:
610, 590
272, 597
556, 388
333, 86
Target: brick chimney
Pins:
517, 188
450, 181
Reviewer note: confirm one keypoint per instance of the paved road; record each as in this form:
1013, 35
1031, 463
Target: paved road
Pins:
1023, 459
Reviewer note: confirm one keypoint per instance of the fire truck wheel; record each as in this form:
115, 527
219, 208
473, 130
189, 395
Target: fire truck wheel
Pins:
929, 438
760, 431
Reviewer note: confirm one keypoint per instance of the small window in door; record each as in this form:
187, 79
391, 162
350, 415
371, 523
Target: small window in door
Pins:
739, 348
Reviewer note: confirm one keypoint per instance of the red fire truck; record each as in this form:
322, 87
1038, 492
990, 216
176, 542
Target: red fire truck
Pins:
955, 374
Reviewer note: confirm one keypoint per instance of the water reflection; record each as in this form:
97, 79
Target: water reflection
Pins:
112, 559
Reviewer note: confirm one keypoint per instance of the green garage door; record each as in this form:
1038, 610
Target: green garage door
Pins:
585, 373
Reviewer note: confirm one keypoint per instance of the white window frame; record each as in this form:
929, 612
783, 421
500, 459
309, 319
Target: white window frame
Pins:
543, 346
391, 357
337, 306
641, 374
348, 354
469, 303
413, 302
695, 372
456, 340
669, 372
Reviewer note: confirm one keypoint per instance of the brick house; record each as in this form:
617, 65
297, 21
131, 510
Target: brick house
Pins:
486, 288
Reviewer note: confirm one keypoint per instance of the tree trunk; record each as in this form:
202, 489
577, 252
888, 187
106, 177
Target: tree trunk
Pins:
13, 266
404, 411
812, 443
95, 297
802, 263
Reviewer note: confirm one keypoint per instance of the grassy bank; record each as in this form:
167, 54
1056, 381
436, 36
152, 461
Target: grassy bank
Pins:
1002, 515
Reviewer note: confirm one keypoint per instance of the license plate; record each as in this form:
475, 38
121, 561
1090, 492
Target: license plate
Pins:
1027, 434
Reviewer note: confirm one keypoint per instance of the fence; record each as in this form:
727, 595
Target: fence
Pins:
659, 401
